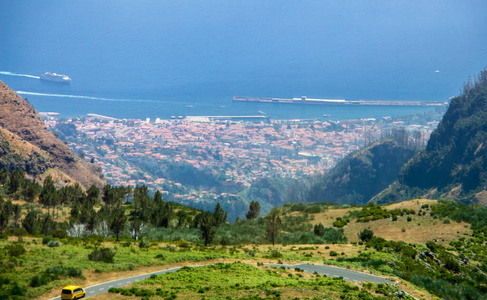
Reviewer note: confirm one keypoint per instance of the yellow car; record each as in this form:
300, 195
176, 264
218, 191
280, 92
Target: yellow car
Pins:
72, 292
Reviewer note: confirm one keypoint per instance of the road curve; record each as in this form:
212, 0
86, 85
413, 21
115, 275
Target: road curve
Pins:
346, 274
105, 286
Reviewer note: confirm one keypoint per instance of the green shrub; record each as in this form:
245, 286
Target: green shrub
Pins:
46, 240
15, 250
59, 233
143, 244
39, 280
160, 256
54, 244
275, 254
105, 255
366, 235
333, 253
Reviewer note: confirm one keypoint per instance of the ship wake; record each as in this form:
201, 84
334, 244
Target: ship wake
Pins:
18, 75
83, 97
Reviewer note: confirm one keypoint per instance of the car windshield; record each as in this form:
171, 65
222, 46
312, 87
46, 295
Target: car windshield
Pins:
66, 292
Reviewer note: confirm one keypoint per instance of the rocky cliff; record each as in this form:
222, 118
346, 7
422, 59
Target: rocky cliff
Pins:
26, 143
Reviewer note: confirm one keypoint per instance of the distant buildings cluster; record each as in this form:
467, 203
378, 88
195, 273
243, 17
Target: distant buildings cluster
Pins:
244, 151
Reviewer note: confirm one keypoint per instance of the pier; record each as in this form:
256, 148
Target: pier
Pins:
206, 119
310, 101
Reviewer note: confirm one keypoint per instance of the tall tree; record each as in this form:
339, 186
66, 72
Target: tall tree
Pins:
182, 218
48, 194
93, 194
219, 215
4, 176
32, 190
47, 225
31, 223
17, 211
117, 221
16, 179
273, 225
162, 212
207, 227
4, 218
66, 195
254, 210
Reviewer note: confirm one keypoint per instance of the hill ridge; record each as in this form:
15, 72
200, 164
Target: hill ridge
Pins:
19, 117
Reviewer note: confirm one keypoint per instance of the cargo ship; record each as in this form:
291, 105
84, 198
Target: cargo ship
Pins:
55, 77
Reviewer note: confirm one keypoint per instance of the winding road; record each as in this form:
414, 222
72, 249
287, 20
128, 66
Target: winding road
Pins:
348, 275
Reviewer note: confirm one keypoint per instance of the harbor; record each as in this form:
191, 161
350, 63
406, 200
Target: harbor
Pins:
311, 101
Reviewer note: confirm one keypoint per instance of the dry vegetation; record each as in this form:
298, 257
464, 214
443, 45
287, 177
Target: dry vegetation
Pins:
420, 230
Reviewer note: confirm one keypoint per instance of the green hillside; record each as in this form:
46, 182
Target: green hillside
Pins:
361, 175
454, 162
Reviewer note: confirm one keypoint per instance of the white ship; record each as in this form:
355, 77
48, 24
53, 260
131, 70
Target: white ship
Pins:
55, 77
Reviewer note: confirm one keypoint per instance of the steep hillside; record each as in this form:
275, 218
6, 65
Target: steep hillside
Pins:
26, 143
361, 175
454, 163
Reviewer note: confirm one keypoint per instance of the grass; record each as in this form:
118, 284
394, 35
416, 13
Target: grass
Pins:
243, 281
131, 260
420, 230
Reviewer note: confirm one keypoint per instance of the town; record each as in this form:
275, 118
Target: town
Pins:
132, 152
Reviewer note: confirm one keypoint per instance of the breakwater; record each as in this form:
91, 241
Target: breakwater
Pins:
310, 101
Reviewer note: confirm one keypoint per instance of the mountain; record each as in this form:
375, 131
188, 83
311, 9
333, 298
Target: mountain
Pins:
454, 163
26, 143
361, 175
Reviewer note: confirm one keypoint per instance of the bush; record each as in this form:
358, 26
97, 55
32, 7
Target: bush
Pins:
275, 254
333, 253
46, 240
54, 244
105, 255
160, 256
39, 280
366, 235
15, 250
143, 244
59, 233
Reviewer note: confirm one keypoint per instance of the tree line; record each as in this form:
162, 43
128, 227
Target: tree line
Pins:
113, 211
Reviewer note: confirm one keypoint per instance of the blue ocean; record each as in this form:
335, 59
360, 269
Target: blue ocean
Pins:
153, 58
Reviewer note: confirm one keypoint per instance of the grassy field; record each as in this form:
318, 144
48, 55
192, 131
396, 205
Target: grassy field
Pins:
42, 270
131, 260
419, 230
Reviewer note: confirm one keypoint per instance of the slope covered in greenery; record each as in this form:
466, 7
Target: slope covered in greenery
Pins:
454, 163
363, 174
456, 153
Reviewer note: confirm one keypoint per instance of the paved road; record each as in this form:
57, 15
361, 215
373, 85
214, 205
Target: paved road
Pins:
348, 275
104, 287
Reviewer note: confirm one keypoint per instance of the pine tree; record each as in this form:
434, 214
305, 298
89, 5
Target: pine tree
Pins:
273, 226
48, 194
31, 223
93, 194
117, 221
220, 216
207, 227
4, 176
254, 210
